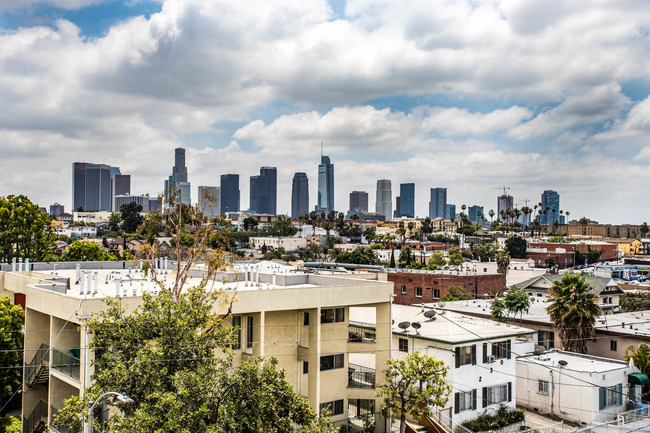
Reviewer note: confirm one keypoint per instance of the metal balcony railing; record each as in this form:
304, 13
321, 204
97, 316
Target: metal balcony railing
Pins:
38, 366
361, 377
66, 363
37, 420
362, 333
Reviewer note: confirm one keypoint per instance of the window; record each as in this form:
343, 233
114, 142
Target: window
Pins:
331, 362
305, 367
249, 332
542, 386
465, 355
546, 339
497, 394
403, 290
358, 406
236, 324
611, 396
336, 407
436, 293
332, 315
501, 349
305, 319
465, 401
418, 292
403, 345
613, 345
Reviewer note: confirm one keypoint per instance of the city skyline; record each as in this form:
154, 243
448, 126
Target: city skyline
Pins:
465, 95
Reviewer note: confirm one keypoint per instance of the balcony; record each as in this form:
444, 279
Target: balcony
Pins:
66, 363
361, 377
362, 333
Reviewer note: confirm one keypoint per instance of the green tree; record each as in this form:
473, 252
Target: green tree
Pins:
250, 223
405, 256
414, 384
25, 231
640, 356
360, 256
456, 293
498, 309
280, 228
392, 259
152, 225
503, 261
516, 247
644, 229
455, 256
11, 345
550, 262
114, 221
131, 218
437, 259
164, 356
516, 301
86, 252
573, 310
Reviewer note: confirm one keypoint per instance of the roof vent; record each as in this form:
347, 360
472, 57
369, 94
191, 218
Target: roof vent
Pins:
562, 363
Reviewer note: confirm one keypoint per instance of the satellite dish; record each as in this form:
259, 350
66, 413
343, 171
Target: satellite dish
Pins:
416, 326
393, 322
429, 314
404, 325
562, 363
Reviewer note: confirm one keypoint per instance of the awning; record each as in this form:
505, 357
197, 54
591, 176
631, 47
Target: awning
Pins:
638, 379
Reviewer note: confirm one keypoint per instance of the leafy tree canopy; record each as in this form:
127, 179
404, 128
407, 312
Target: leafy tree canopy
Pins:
414, 384
360, 256
131, 218
86, 252
163, 356
456, 293
114, 221
11, 345
25, 231
516, 247
280, 228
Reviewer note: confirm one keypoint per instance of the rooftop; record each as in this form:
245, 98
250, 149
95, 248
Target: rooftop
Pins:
575, 362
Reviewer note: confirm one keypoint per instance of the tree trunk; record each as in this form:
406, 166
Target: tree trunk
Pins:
402, 423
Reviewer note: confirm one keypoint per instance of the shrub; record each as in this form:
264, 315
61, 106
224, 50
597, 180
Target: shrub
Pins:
504, 416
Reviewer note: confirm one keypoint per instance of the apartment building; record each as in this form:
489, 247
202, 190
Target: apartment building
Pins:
479, 353
302, 319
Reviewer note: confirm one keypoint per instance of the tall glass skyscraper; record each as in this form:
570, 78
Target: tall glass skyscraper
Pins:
472, 213
264, 191
438, 203
325, 185
91, 187
407, 200
384, 202
358, 202
230, 193
178, 178
299, 195
551, 200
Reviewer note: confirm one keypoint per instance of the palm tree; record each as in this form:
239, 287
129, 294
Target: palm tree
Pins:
640, 356
573, 310
491, 213
503, 261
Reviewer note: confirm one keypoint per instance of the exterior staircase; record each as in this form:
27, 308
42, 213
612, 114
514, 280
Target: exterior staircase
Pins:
36, 422
37, 371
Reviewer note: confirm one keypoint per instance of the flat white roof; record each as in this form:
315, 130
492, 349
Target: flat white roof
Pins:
574, 362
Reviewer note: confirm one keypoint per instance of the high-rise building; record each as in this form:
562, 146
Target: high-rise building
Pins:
505, 202
384, 202
154, 204
438, 203
142, 200
91, 186
325, 185
56, 209
210, 201
358, 202
451, 212
120, 185
407, 200
299, 195
178, 179
473, 213
229, 193
263, 192
550, 201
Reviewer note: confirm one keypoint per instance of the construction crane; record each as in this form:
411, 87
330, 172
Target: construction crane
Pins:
504, 188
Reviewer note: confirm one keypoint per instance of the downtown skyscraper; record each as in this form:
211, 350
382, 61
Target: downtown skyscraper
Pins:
325, 185
264, 191
299, 195
230, 194
384, 199
438, 203
551, 205
91, 187
406, 200
178, 179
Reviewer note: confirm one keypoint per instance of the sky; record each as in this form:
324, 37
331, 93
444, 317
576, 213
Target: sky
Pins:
469, 95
